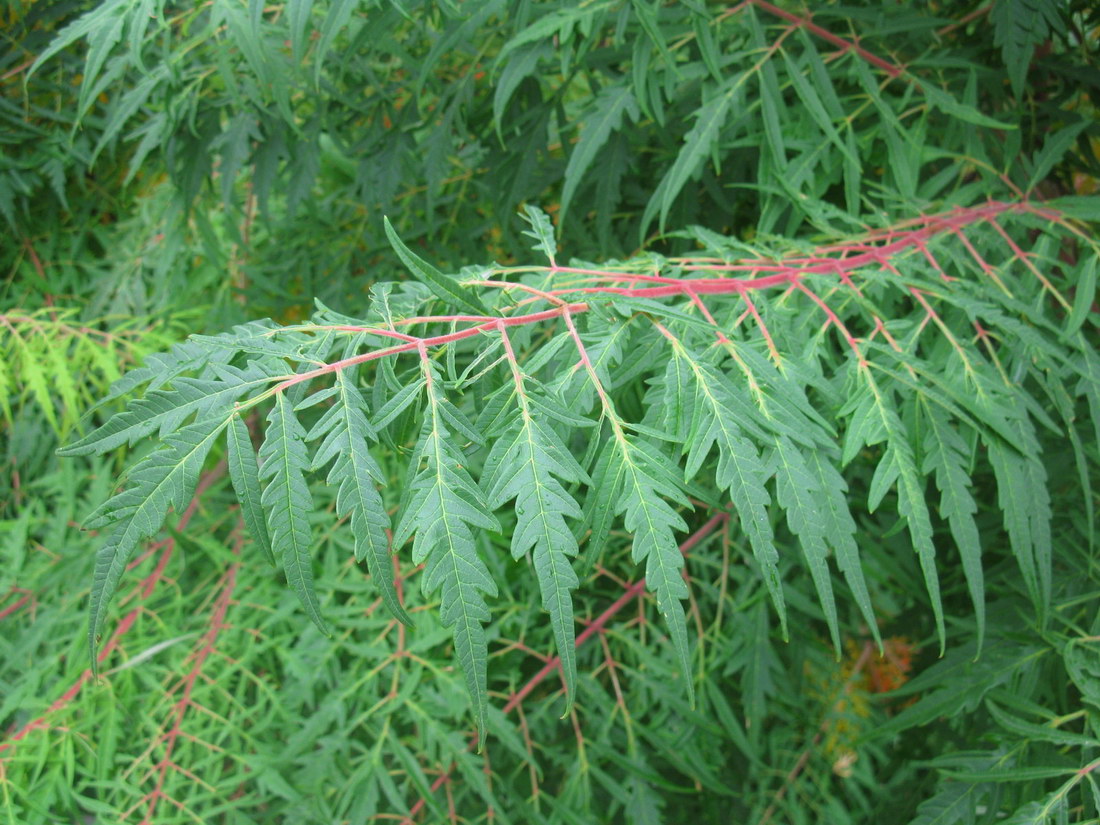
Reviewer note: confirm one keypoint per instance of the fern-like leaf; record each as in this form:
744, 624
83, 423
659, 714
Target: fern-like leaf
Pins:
648, 484
945, 454
165, 410
1025, 501
164, 479
542, 231
346, 435
442, 503
527, 461
715, 420
1018, 27
244, 475
875, 420
288, 502
799, 494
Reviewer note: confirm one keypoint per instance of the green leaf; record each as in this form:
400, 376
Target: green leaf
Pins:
288, 502
520, 67
1025, 502
166, 410
556, 24
339, 13
347, 435
740, 471
698, 144
297, 16
945, 454
541, 230
953, 804
164, 479
1018, 27
875, 420
648, 482
444, 287
839, 529
528, 460
442, 503
599, 510
1084, 295
605, 118
813, 103
244, 474
1054, 149
1038, 733
1082, 658
798, 494
955, 108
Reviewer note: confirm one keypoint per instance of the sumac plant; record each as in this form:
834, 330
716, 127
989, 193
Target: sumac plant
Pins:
559, 402
766, 458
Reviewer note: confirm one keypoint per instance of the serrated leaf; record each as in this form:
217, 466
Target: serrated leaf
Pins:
953, 803
397, 404
166, 410
606, 115
945, 454
740, 470
1025, 502
798, 494
164, 479
443, 503
244, 474
1019, 26
541, 230
648, 482
444, 287
528, 460
558, 23
875, 420
346, 435
839, 529
288, 503
599, 510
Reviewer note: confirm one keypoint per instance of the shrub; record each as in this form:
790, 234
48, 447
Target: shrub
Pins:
818, 289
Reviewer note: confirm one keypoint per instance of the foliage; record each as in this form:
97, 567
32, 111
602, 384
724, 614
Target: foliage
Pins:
776, 447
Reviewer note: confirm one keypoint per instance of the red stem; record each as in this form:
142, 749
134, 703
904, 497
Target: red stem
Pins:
146, 588
886, 66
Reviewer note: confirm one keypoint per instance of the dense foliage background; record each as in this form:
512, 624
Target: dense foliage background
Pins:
180, 167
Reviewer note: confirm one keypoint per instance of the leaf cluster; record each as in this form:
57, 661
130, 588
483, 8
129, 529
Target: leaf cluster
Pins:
766, 454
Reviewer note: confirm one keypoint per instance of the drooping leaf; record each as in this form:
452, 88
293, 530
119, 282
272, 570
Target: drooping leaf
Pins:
607, 114
346, 436
287, 502
530, 462
648, 484
244, 474
945, 454
164, 479
714, 420
442, 504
